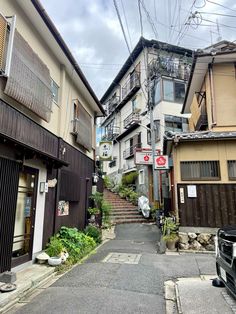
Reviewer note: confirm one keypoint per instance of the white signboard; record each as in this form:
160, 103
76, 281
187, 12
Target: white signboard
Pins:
161, 162
192, 191
105, 150
143, 158
181, 194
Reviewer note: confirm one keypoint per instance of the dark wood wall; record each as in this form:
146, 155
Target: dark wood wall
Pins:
74, 185
214, 206
18, 127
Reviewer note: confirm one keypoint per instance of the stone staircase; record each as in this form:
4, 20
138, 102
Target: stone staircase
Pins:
122, 210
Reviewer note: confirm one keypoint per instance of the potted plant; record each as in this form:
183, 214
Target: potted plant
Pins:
169, 232
54, 250
171, 240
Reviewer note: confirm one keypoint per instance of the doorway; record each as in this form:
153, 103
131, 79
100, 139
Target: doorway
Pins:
25, 216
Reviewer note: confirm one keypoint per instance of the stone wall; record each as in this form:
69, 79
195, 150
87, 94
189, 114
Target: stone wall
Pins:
196, 241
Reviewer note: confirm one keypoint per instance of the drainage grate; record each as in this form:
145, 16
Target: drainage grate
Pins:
122, 258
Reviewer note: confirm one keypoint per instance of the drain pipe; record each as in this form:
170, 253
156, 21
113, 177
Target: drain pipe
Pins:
213, 112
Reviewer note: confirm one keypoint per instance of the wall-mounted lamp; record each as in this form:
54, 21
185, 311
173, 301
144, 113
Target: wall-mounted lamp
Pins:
95, 178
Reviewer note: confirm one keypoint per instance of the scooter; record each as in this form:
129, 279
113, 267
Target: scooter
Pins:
143, 206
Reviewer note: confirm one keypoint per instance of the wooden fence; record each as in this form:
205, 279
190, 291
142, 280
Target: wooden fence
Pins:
214, 206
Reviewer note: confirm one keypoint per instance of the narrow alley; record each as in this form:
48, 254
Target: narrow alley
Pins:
126, 275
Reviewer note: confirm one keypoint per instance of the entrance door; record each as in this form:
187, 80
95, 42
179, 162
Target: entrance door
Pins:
25, 216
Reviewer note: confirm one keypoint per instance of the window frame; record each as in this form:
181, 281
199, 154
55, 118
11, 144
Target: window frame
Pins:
200, 178
231, 178
54, 84
174, 88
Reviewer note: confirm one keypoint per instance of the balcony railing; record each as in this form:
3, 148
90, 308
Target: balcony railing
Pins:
129, 152
112, 104
131, 85
132, 119
165, 65
111, 133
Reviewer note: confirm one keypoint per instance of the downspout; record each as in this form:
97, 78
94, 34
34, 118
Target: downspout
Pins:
213, 112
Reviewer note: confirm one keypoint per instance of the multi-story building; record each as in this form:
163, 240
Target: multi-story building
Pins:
126, 103
204, 162
47, 133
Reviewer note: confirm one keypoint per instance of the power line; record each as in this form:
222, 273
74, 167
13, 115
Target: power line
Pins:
121, 25
140, 17
126, 24
150, 21
221, 5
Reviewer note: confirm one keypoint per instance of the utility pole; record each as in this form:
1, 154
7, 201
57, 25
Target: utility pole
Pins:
151, 89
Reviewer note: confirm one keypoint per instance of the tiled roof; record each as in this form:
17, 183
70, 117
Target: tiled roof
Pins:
205, 135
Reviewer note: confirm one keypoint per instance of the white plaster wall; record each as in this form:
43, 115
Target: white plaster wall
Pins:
40, 205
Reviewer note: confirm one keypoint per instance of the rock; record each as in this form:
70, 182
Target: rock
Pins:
42, 258
183, 246
192, 236
195, 245
204, 238
183, 237
212, 240
210, 247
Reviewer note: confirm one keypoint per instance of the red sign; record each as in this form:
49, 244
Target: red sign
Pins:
161, 162
146, 158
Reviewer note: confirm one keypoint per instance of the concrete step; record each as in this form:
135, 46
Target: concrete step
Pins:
126, 216
125, 212
124, 221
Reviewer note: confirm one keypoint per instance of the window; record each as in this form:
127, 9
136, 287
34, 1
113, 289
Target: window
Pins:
173, 91
200, 170
168, 88
179, 92
157, 95
55, 91
141, 177
134, 104
157, 132
112, 163
232, 169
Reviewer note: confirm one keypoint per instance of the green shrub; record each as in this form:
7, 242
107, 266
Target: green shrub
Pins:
107, 182
97, 197
94, 232
54, 247
76, 243
133, 197
129, 178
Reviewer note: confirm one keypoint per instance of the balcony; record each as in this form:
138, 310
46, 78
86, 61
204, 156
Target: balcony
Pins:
131, 120
111, 133
130, 87
129, 152
164, 65
112, 104
198, 111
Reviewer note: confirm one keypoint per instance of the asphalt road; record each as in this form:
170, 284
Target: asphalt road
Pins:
103, 287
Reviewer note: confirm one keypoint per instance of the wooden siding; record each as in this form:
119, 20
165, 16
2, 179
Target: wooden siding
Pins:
18, 127
9, 177
214, 206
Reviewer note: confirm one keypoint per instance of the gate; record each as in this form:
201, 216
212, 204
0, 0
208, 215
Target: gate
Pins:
9, 177
214, 205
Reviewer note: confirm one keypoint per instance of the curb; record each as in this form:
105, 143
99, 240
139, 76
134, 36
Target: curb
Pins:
37, 283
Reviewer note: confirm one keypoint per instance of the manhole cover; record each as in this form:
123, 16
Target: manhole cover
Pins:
122, 258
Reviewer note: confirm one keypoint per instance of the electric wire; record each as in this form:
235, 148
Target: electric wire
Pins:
126, 22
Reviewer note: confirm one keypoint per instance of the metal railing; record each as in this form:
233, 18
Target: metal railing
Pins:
129, 152
112, 103
133, 81
133, 118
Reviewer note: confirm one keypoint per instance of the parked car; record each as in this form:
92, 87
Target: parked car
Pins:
226, 257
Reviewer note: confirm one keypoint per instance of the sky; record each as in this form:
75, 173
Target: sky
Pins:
93, 33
